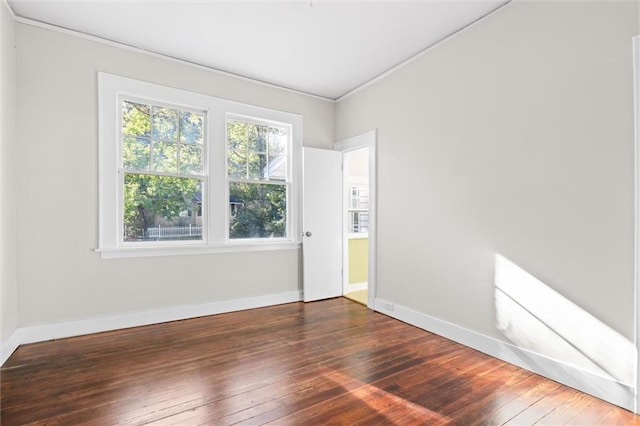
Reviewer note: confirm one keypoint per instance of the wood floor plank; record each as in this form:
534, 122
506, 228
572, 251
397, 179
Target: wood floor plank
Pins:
591, 414
499, 412
328, 362
563, 413
619, 417
503, 389
542, 407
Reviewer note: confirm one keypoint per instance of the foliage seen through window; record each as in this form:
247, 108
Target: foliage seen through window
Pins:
257, 167
163, 164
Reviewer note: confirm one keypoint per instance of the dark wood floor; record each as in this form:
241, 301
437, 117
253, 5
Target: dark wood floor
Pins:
329, 362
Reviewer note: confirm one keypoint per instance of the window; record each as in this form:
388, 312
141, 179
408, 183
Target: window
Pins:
358, 209
163, 171
186, 173
258, 178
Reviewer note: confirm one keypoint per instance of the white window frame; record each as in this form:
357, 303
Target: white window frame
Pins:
215, 209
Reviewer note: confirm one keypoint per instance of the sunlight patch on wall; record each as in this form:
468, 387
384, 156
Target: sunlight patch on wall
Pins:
537, 318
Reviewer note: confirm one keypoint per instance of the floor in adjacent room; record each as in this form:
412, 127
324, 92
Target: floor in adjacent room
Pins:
328, 362
359, 296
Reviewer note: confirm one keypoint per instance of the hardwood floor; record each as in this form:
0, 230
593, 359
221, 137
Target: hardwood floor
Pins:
329, 362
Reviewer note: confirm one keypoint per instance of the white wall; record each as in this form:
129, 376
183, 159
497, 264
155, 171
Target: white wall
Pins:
514, 137
358, 162
8, 278
61, 278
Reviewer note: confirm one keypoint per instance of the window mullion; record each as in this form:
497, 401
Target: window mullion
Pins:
218, 191
167, 174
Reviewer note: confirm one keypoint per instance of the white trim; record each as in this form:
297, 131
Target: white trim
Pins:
11, 12
9, 346
370, 140
41, 333
356, 286
417, 55
346, 201
112, 43
124, 252
636, 287
602, 387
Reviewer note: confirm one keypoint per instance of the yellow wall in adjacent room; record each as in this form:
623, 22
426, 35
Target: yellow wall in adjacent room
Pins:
358, 256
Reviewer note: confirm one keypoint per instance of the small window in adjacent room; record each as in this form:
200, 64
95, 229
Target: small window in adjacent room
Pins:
358, 209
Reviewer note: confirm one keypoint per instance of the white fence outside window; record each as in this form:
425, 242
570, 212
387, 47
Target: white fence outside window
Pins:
173, 232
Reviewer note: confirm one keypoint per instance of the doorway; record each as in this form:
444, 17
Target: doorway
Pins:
355, 235
359, 214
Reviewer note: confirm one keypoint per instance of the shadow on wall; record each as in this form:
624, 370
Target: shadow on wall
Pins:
537, 318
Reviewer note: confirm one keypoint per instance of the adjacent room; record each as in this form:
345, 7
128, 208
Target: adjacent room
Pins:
319, 212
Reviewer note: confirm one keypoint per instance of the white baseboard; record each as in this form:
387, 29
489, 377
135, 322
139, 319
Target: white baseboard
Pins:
9, 346
356, 287
41, 333
604, 388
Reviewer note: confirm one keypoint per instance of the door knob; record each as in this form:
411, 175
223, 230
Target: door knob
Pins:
307, 234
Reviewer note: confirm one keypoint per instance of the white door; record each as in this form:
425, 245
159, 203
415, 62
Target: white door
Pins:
322, 224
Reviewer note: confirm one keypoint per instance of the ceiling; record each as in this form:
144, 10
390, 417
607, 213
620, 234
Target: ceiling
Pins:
324, 48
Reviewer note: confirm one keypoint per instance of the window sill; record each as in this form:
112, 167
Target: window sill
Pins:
125, 252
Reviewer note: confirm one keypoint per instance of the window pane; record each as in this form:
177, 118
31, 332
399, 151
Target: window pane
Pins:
256, 152
358, 222
190, 159
278, 167
257, 210
257, 166
191, 125
237, 166
236, 136
277, 141
136, 119
161, 208
165, 157
258, 138
135, 153
165, 124
354, 197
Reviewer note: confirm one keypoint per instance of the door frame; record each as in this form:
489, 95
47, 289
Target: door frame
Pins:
367, 140
636, 242
346, 198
